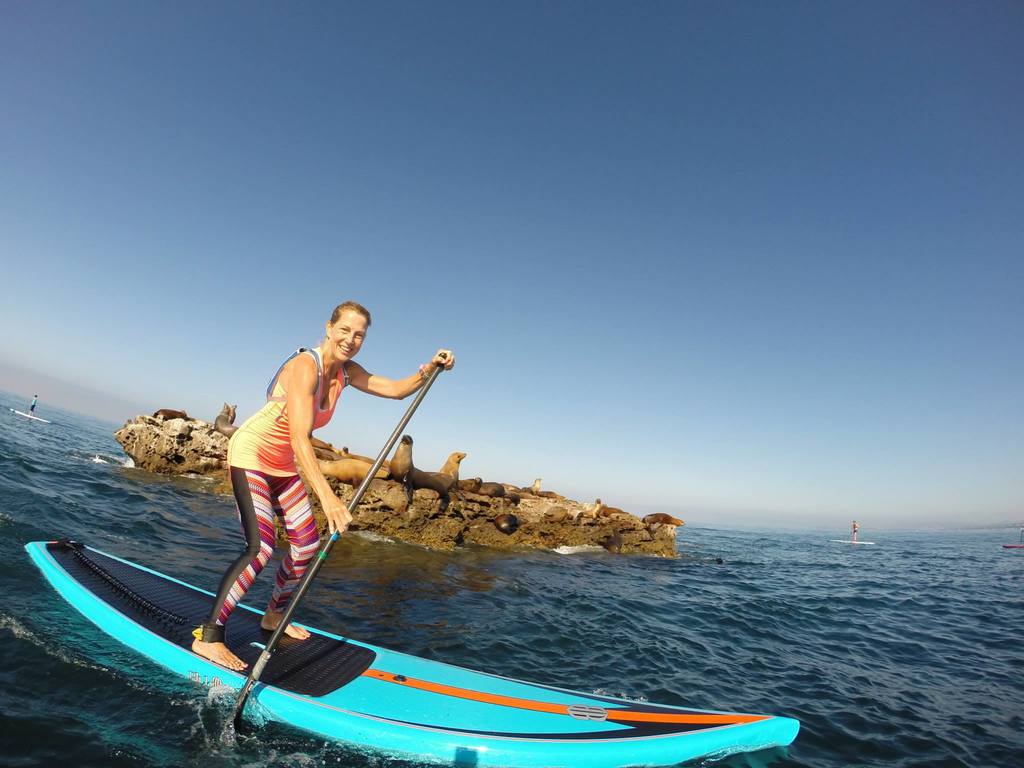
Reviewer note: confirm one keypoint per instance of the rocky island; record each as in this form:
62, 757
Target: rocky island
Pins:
431, 509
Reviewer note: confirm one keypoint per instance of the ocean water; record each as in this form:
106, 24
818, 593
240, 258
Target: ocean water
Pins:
907, 653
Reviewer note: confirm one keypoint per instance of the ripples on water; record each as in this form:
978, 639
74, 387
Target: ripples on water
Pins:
908, 653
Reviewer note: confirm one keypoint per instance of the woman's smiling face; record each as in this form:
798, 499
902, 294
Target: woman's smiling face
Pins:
345, 336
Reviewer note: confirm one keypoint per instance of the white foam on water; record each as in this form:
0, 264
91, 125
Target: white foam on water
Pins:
219, 694
575, 550
725, 754
374, 537
620, 695
94, 457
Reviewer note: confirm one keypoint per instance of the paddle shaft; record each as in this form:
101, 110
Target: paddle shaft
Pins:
314, 567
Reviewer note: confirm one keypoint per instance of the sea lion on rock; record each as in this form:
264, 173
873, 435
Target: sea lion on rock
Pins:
434, 481
346, 454
325, 455
451, 465
496, 490
322, 444
536, 491
351, 471
225, 421
401, 462
611, 511
550, 495
470, 486
414, 479
170, 413
506, 523
658, 520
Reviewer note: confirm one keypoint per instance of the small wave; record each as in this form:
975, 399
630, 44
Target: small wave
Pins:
128, 463
22, 632
97, 460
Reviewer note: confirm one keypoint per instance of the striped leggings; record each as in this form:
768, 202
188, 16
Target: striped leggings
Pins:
260, 498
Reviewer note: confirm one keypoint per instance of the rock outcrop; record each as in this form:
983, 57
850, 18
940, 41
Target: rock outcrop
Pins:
470, 520
173, 446
548, 521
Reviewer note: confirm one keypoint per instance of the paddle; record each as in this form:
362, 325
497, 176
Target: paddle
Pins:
314, 567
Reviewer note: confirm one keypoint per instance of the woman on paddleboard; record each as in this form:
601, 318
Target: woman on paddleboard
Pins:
262, 458
856, 529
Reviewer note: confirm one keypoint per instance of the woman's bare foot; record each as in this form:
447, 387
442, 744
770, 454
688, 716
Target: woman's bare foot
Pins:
272, 618
218, 653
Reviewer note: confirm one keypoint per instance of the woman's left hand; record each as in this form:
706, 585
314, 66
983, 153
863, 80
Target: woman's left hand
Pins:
444, 358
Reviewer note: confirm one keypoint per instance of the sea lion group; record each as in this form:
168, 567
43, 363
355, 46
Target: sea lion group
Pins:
446, 482
352, 468
404, 472
494, 490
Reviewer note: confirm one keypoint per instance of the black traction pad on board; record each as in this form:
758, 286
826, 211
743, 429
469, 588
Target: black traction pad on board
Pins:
312, 667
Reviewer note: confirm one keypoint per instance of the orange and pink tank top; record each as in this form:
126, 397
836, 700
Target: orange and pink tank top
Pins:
263, 443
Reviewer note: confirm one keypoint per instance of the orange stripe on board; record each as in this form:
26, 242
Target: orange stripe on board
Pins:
464, 693
623, 715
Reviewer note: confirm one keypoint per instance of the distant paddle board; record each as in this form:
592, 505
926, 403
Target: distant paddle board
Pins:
1013, 546
29, 416
849, 541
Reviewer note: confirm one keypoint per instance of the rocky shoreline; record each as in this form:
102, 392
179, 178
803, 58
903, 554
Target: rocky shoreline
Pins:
540, 519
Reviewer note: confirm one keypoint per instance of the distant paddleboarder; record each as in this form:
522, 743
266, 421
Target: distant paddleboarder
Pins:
262, 458
855, 529
1020, 541
32, 408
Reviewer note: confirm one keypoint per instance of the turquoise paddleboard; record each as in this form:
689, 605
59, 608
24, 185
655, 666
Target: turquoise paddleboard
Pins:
391, 702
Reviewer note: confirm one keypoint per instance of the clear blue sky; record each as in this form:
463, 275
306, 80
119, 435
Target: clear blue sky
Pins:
740, 261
